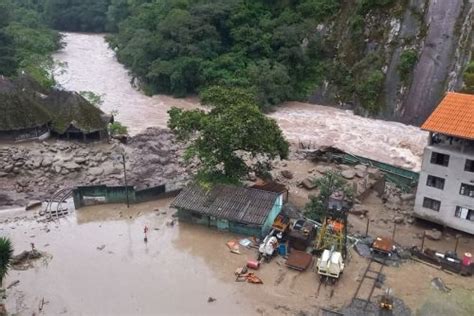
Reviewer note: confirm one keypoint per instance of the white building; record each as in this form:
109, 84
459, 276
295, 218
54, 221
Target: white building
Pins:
446, 186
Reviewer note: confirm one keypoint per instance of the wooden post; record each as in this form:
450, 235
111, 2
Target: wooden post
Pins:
393, 233
457, 243
423, 241
125, 178
367, 227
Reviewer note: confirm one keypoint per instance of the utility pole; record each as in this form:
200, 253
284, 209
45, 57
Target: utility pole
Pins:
125, 177
393, 232
367, 227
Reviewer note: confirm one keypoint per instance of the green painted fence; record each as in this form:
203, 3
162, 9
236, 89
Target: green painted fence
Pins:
102, 194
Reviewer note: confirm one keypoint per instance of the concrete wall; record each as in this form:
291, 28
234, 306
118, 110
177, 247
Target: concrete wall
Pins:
273, 214
454, 175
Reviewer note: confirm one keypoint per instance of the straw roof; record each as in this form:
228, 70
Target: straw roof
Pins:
71, 109
19, 110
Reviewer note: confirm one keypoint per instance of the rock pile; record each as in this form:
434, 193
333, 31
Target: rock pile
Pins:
36, 170
401, 204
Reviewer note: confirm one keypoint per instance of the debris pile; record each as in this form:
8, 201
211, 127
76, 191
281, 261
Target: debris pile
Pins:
23, 261
34, 171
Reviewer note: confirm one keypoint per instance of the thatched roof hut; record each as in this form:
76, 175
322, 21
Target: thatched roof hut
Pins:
73, 114
20, 112
28, 110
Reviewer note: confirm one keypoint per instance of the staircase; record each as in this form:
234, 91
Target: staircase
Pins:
55, 208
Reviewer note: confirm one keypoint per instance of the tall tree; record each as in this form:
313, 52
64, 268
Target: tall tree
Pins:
331, 182
77, 15
219, 138
8, 61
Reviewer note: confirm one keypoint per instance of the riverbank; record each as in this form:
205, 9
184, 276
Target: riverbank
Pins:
92, 66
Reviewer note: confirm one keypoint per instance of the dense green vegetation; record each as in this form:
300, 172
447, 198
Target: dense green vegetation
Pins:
469, 78
25, 42
408, 59
219, 138
278, 50
6, 253
331, 182
76, 15
182, 47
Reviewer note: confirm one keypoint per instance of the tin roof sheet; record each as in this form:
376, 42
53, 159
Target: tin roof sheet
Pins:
244, 205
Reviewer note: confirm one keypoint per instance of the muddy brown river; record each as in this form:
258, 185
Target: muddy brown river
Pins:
91, 66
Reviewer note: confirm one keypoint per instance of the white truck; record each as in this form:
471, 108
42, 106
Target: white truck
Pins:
330, 264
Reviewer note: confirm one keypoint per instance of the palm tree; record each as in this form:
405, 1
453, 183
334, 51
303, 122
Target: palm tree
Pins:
6, 253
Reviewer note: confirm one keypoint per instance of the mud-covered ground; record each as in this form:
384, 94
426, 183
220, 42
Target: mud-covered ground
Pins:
98, 264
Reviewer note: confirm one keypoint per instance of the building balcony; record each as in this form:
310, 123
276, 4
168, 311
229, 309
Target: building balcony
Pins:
451, 143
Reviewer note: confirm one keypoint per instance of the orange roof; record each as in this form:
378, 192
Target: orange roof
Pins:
454, 116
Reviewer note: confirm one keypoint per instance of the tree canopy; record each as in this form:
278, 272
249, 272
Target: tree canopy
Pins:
25, 42
219, 137
327, 185
181, 47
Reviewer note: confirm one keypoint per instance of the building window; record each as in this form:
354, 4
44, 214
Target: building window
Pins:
464, 213
435, 182
439, 159
467, 190
469, 165
431, 204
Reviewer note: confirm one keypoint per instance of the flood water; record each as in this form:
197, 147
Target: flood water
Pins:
92, 66
99, 264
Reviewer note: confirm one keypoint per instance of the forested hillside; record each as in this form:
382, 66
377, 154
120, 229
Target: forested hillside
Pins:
25, 42
388, 58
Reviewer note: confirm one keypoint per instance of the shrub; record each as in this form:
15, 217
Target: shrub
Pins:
469, 78
116, 128
408, 59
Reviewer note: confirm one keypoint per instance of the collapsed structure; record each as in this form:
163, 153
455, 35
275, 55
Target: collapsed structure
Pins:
446, 187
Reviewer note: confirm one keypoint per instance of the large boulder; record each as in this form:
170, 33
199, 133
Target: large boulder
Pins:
407, 196
37, 162
287, 174
360, 174
8, 168
47, 161
71, 166
95, 171
348, 174
57, 169
80, 160
309, 183
362, 168
399, 220
433, 234
323, 169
